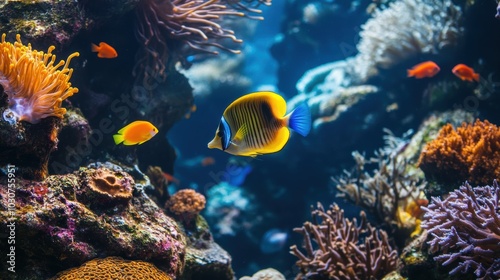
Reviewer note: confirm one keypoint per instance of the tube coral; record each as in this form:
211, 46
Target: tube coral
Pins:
471, 152
35, 86
344, 249
465, 229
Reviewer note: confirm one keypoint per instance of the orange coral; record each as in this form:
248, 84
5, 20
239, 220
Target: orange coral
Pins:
186, 204
471, 152
113, 268
35, 86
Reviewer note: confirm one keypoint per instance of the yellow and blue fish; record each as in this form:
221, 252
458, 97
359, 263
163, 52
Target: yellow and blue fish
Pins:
135, 133
256, 124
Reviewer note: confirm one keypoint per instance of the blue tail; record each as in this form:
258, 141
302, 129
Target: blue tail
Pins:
300, 119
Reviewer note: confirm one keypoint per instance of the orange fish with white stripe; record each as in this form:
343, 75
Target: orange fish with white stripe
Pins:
256, 124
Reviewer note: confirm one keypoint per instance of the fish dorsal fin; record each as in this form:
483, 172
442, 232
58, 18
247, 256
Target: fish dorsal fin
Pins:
276, 102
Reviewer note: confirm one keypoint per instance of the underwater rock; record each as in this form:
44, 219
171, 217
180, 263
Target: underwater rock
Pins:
58, 226
205, 259
49, 22
113, 268
265, 274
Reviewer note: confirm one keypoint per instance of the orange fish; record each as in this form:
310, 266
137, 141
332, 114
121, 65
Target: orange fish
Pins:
136, 132
171, 178
207, 161
465, 73
424, 70
104, 50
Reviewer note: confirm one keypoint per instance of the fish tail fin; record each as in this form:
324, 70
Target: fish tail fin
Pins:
476, 77
118, 138
410, 73
94, 47
299, 119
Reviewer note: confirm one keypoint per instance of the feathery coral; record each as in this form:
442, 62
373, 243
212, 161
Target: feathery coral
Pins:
471, 152
35, 86
195, 23
344, 249
465, 229
114, 268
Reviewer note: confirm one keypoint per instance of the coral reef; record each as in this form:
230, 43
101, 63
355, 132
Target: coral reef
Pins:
265, 274
33, 89
345, 250
59, 226
193, 23
393, 192
464, 230
186, 204
104, 186
113, 268
404, 29
471, 152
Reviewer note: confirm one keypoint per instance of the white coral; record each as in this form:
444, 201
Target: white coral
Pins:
404, 29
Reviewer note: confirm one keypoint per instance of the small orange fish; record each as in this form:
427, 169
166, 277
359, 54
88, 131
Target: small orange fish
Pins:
104, 50
465, 73
207, 161
136, 132
171, 179
424, 70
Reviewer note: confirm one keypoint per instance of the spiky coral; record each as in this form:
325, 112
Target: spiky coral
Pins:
195, 23
345, 250
471, 152
35, 86
465, 229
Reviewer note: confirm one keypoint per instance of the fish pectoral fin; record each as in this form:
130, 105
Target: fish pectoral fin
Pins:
240, 134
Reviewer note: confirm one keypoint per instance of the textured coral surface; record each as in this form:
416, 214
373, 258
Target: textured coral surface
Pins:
113, 268
470, 152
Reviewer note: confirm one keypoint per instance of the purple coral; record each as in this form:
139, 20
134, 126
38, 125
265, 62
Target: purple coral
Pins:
465, 229
344, 249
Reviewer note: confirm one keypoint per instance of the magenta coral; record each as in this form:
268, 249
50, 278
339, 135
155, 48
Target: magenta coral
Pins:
345, 250
464, 230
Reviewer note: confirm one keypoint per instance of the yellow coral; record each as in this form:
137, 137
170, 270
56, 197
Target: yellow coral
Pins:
35, 86
113, 268
471, 152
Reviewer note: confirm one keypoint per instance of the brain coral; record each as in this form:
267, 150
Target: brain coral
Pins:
113, 268
471, 152
186, 204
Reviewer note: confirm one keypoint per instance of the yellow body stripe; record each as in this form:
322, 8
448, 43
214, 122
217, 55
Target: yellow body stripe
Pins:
262, 114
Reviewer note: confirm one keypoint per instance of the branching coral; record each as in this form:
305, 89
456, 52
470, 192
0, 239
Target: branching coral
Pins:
114, 268
195, 23
186, 204
34, 84
392, 192
404, 29
465, 229
345, 250
471, 152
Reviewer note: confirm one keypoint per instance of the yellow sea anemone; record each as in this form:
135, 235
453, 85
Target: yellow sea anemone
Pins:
34, 85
